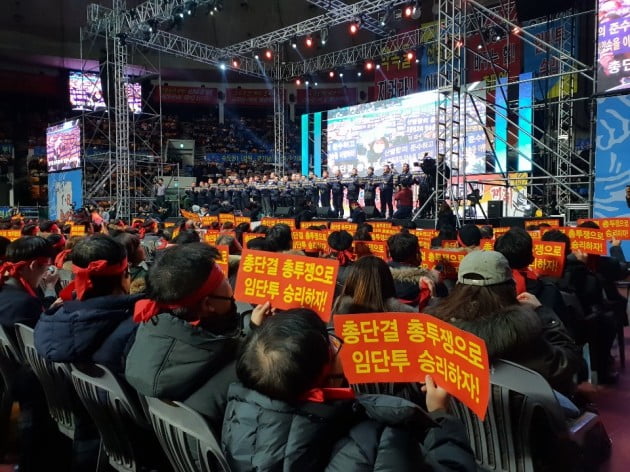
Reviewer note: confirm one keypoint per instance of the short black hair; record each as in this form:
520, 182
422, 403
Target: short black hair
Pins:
187, 237
261, 229
403, 246
340, 240
285, 357
470, 235
517, 247
558, 236
261, 244
27, 248
280, 235
588, 224
131, 242
46, 225
95, 248
4, 243
486, 232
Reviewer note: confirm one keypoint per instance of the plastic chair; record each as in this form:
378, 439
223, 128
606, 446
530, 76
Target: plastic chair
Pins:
9, 347
8, 368
524, 425
125, 433
55, 380
186, 437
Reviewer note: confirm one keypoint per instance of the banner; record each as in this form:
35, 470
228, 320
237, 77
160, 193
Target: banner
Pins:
427, 55
555, 222
189, 215
401, 347
548, 259
398, 74
445, 261
206, 221
327, 97
497, 56
11, 234
613, 46
371, 248
211, 237
65, 192
310, 239
511, 191
590, 241
287, 281
249, 97
225, 217
237, 158
343, 226
486, 244
187, 95
618, 228
247, 237
269, 221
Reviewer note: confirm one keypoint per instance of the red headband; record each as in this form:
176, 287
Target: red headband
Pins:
147, 309
83, 277
54, 229
60, 244
61, 258
12, 269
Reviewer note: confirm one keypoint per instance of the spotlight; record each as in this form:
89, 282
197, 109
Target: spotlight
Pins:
354, 27
331, 74
408, 11
359, 74
222, 66
309, 42
409, 56
315, 84
416, 11
307, 83
298, 82
256, 56
341, 75
152, 25
516, 30
459, 43
294, 43
323, 35
377, 66
268, 54
190, 8
369, 65
479, 47
236, 63
386, 16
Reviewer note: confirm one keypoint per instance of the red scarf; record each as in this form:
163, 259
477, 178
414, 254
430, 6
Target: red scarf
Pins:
60, 259
147, 309
83, 277
60, 244
345, 257
323, 395
521, 276
12, 270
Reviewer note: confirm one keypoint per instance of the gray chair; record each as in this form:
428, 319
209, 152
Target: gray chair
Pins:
186, 437
525, 426
55, 381
126, 436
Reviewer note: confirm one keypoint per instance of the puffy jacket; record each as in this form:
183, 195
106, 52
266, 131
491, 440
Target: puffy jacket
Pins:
174, 360
96, 330
373, 432
17, 306
407, 278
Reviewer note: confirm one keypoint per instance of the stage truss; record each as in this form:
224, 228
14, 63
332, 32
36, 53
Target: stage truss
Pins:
560, 173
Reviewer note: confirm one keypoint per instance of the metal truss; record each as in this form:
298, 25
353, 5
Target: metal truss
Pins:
367, 22
279, 110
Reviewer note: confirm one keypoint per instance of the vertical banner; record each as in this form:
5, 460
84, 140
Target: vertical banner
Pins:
398, 75
427, 54
501, 126
306, 134
65, 192
317, 144
525, 122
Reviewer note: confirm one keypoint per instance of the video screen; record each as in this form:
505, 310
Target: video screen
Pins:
86, 92
398, 131
63, 146
613, 46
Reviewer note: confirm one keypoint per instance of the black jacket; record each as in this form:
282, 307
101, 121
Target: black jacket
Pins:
173, 360
371, 433
98, 330
17, 306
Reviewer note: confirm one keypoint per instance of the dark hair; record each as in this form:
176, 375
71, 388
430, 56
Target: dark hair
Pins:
95, 248
261, 244
517, 247
369, 283
280, 235
340, 240
286, 356
559, 237
187, 237
46, 225
486, 232
362, 234
588, 224
470, 235
403, 247
447, 233
470, 302
27, 248
28, 229
240, 229
262, 229
131, 242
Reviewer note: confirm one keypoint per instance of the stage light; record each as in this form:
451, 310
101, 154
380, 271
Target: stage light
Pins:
386, 16
222, 66
416, 12
459, 43
236, 63
516, 30
331, 74
307, 83
268, 54
152, 25
341, 75
309, 42
377, 66
359, 74
315, 84
354, 27
410, 55
369, 65
408, 11
294, 43
298, 82
257, 57
323, 36
191, 7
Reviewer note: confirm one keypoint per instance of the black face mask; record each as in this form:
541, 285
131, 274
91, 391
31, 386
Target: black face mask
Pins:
223, 324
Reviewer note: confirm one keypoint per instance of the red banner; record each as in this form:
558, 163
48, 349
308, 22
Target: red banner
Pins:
486, 244
13, 234
343, 226
398, 74
618, 228
188, 95
206, 221
400, 347
555, 222
548, 258
327, 96
249, 97
269, 221
287, 281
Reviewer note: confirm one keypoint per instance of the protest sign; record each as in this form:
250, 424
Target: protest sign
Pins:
548, 258
446, 261
310, 239
373, 248
269, 221
343, 226
588, 240
223, 262
618, 228
13, 234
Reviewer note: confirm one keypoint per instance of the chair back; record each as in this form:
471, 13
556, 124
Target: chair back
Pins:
521, 404
8, 370
55, 381
9, 347
116, 413
186, 437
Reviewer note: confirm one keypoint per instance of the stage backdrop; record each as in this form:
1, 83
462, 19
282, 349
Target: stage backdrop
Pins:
612, 159
64, 190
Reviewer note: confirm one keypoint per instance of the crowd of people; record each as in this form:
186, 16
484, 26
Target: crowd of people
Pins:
150, 303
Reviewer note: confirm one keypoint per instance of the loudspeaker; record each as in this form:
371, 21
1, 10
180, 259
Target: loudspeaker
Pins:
282, 212
371, 212
529, 10
495, 209
424, 223
323, 212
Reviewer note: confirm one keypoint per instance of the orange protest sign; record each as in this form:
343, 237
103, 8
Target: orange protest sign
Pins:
498, 232
377, 226
247, 237
486, 244
210, 237
618, 228
169, 224
452, 244
206, 221
242, 219
224, 217
137, 220
12, 234
373, 248
310, 239
425, 236
288, 281
343, 226
548, 258
446, 261
77, 230
223, 262
189, 215
591, 241
269, 221
400, 347
535, 235
555, 222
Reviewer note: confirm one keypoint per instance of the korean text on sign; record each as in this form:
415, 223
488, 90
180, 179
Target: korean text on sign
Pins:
548, 258
618, 228
444, 260
399, 347
288, 281
223, 262
591, 241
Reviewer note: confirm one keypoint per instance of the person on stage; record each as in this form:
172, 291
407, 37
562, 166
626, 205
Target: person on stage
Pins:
404, 202
353, 187
405, 177
387, 192
337, 194
323, 186
160, 193
369, 188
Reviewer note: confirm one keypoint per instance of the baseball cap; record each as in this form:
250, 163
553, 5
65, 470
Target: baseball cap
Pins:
483, 268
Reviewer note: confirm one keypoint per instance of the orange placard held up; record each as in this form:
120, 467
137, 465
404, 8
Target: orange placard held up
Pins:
498, 232
450, 244
77, 230
618, 228
210, 237
548, 258
590, 241
288, 281
425, 236
247, 237
206, 221
444, 260
372, 248
242, 219
486, 244
13, 234
224, 217
169, 224
269, 221
554, 222
224, 263
400, 347
310, 239
377, 226
189, 215
535, 235
343, 226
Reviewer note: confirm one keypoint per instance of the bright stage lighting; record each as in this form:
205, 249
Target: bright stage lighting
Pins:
331, 74
294, 43
268, 54
236, 63
409, 56
222, 66
298, 82
369, 65
309, 42
354, 28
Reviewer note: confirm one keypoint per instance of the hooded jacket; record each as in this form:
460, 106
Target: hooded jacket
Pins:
407, 278
174, 360
98, 330
373, 432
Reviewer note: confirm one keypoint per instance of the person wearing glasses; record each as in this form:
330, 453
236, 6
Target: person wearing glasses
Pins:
290, 410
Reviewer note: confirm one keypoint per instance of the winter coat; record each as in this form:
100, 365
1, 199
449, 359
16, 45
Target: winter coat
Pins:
174, 360
406, 280
344, 304
98, 330
373, 432
17, 306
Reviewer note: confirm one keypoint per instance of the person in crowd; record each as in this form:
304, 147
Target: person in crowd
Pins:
484, 302
261, 244
487, 232
357, 214
469, 237
404, 202
323, 186
387, 192
94, 322
369, 188
187, 237
369, 288
4, 244
446, 217
136, 257
446, 233
280, 236
284, 415
189, 332
413, 284
340, 243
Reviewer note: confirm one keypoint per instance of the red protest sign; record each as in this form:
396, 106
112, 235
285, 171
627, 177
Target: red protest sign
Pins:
247, 237
288, 281
450, 244
371, 248
498, 232
555, 222
210, 237
207, 221
446, 261
535, 235
310, 239
223, 262
425, 236
224, 217
400, 347
269, 221
242, 219
591, 241
548, 258
618, 228
486, 244
189, 215
13, 234
377, 226
343, 226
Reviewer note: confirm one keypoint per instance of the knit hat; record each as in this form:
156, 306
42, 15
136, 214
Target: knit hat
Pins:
483, 268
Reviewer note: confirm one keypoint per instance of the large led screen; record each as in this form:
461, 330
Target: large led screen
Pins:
86, 92
613, 46
63, 146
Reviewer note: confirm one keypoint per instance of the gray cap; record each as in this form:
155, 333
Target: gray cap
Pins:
488, 267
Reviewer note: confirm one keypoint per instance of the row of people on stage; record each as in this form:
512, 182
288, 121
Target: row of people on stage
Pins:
271, 191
